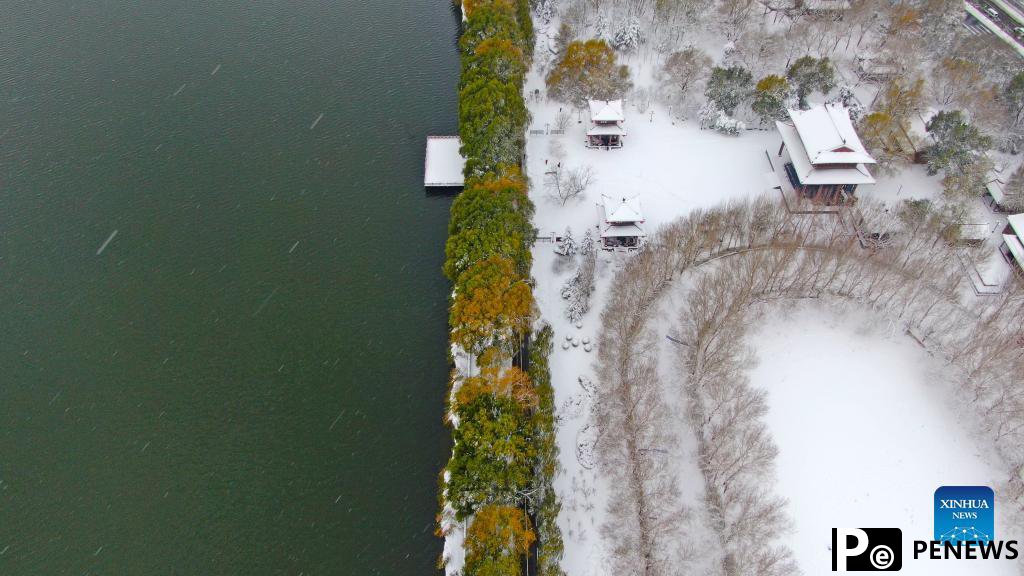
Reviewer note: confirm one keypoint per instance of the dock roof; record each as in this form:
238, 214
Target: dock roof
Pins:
443, 164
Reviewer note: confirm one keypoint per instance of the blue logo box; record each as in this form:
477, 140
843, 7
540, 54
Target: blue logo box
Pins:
965, 514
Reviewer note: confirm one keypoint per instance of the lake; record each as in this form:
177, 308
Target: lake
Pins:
222, 315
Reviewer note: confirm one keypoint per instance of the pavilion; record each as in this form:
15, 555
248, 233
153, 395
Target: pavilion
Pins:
622, 221
824, 158
606, 120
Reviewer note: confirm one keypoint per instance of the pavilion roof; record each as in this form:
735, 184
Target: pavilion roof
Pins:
606, 110
622, 231
822, 174
622, 210
1016, 222
827, 135
1016, 248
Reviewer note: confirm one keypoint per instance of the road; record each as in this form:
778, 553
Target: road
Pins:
1002, 19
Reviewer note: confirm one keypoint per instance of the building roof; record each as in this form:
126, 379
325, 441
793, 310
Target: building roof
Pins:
606, 110
1017, 223
622, 231
826, 174
995, 189
828, 136
622, 210
1016, 248
443, 164
606, 130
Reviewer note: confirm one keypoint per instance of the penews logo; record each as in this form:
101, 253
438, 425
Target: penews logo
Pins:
867, 549
965, 514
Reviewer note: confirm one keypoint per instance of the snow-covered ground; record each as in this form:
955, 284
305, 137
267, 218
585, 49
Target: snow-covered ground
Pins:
867, 429
675, 168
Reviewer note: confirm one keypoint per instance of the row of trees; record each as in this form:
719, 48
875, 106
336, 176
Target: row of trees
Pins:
770, 254
498, 479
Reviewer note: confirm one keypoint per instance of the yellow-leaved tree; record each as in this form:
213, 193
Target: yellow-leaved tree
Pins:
497, 541
493, 306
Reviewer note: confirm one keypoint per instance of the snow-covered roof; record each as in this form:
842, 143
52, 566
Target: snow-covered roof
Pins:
606, 110
1016, 248
622, 231
824, 174
1017, 223
995, 189
443, 164
828, 137
622, 210
827, 4
606, 130
975, 231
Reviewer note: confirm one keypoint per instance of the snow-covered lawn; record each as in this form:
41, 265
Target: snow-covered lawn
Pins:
674, 168
867, 429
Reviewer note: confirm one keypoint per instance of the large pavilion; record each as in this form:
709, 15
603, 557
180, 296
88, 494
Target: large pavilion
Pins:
824, 158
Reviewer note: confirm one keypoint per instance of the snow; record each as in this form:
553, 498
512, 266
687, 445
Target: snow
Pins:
672, 167
443, 164
867, 429
669, 165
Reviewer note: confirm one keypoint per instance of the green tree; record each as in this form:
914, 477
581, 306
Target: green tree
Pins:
491, 19
588, 70
499, 56
493, 454
728, 87
957, 146
490, 217
770, 97
497, 541
809, 74
492, 122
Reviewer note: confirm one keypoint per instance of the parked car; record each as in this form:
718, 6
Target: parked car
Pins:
992, 12
1019, 31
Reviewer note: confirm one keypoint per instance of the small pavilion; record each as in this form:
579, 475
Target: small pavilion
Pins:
824, 157
606, 120
622, 222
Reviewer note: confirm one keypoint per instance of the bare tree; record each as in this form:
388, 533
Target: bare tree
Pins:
569, 184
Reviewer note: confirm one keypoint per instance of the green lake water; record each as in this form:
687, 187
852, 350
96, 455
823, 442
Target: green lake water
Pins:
222, 328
